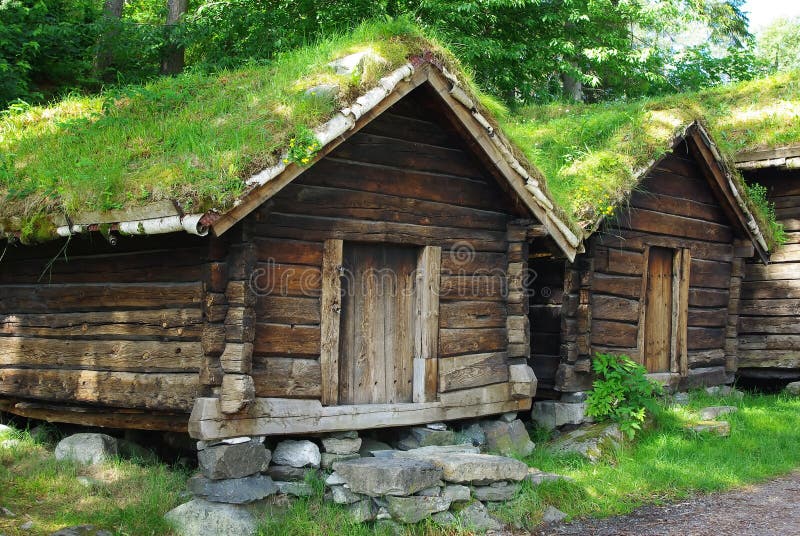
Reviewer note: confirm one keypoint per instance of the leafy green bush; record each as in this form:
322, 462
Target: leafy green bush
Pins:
622, 392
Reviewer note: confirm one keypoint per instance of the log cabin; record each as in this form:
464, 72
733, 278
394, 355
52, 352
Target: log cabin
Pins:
379, 284
660, 279
769, 314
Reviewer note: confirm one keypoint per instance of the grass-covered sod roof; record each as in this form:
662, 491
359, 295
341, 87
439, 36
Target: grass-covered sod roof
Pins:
593, 155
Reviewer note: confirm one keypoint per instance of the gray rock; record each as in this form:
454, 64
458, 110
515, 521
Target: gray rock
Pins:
81, 530
720, 428
6, 431
388, 476
301, 453
468, 467
28, 525
441, 450
508, 417
233, 461
408, 443
724, 390
508, 439
342, 495
498, 491
591, 441
323, 91
712, 412
472, 434
578, 396
427, 437
477, 518
417, 508
234, 490
434, 491
355, 62
456, 493
368, 445
436, 426
87, 449
287, 473
383, 513
793, 389
386, 453
296, 489
553, 515
5, 512
327, 459
680, 399
445, 518
341, 446
550, 414
335, 479
203, 518
536, 477
362, 511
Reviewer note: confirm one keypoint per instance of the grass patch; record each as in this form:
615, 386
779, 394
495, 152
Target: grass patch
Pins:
664, 464
592, 154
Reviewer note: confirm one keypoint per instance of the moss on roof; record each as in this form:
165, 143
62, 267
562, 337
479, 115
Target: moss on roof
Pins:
592, 155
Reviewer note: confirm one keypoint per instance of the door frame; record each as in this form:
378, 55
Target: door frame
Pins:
681, 266
426, 322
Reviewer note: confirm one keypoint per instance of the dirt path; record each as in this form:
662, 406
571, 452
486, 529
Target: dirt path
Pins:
767, 509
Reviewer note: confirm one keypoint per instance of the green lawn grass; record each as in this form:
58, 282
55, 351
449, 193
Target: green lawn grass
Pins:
664, 464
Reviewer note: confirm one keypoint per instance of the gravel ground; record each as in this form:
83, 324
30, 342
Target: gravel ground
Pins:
772, 508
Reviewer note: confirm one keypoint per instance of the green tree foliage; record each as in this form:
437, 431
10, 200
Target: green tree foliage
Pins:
778, 45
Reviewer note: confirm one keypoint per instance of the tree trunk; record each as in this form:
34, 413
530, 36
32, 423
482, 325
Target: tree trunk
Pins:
172, 60
573, 88
112, 14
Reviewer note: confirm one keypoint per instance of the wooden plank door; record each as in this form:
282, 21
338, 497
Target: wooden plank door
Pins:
658, 310
376, 342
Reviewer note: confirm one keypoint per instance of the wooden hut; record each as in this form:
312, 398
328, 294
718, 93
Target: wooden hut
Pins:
769, 316
659, 281
379, 285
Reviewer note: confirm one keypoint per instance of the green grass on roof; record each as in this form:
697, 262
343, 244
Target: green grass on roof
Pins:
193, 138
591, 154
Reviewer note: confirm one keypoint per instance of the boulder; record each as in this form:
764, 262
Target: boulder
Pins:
369, 445
341, 446
287, 473
81, 530
297, 489
720, 428
415, 509
335, 479
87, 448
362, 511
508, 439
407, 443
342, 495
472, 434
456, 493
233, 490
327, 459
233, 461
590, 441
203, 518
388, 476
497, 491
793, 389
712, 412
301, 453
553, 515
427, 437
724, 390
469, 467
445, 518
551, 414
475, 517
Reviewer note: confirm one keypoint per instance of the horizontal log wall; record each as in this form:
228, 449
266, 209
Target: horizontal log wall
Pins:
113, 327
769, 312
672, 207
406, 178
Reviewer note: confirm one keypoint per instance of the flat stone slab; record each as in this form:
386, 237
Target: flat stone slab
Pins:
233, 461
536, 477
81, 530
433, 436
496, 492
341, 446
388, 476
457, 493
460, 467
551, 414
591, 441
204, 518
234, 490
415, 509
296, 489
87, 449
720, 428
712, 412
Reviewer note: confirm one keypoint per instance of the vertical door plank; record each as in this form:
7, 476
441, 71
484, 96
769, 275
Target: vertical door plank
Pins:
682, 304
426, 340
658, 315
330, 320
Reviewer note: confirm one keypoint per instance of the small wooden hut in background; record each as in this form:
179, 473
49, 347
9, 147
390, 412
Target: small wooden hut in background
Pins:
659, 280
381, 285
769, 317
